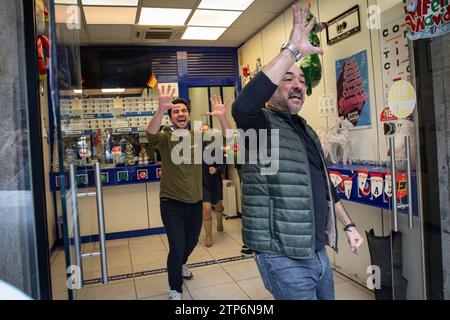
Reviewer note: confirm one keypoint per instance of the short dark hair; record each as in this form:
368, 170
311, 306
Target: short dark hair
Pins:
177, 101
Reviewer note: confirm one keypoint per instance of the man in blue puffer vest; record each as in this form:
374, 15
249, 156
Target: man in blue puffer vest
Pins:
290, 216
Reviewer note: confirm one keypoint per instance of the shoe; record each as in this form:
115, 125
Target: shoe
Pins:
174, 295
186, 273
246, 252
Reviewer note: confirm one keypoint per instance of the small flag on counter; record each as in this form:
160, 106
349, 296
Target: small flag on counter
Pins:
152, 83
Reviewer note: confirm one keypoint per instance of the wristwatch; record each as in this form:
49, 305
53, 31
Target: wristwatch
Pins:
297, 54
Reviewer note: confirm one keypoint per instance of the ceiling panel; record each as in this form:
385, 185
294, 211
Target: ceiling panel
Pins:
237, 34
110, 15
227, 43
270, 6
251, 20
109, 32
257, 15
170, 4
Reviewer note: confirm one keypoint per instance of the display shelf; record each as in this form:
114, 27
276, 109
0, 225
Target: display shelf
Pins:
86, 116
365, 195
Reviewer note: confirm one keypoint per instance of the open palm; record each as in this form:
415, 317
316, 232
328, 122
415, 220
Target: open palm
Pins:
219, 108
165, 97
300, 31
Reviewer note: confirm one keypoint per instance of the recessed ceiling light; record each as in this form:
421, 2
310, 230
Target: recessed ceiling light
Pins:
213, 18
66, 1
110, 15
202, 33
225, 5
116, 90
163, 16
125, 3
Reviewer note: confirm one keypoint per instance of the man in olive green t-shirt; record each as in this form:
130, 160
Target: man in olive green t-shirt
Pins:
181, 184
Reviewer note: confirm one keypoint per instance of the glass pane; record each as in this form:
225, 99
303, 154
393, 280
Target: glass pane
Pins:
404, 280
65, 81
17, 227
199, 104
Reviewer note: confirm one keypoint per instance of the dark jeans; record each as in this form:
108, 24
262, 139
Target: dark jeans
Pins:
183, 223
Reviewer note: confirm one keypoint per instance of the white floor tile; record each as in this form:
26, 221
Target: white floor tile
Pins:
226, 291
242, 270
113, 291
207, 276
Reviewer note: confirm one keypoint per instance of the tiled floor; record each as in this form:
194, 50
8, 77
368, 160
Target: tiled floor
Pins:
237, 280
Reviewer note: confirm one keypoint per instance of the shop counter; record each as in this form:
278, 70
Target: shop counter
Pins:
117, 176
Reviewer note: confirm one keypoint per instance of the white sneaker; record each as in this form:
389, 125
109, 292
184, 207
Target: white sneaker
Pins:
174, 295
186, 273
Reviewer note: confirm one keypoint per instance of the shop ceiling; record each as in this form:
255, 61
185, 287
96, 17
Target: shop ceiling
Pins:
112, 24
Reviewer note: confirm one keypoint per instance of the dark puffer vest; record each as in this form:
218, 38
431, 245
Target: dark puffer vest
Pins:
278, 209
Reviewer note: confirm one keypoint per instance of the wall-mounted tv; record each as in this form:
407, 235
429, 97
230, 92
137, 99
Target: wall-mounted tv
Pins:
115, 67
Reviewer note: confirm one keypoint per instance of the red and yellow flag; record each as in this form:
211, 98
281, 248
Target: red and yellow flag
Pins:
152, 82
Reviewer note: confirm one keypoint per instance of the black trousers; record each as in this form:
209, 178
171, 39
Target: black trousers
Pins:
183, 223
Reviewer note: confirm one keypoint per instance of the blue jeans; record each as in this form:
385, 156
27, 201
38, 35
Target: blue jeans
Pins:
291, 279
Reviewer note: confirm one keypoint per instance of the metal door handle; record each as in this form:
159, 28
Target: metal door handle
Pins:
394, 183
101, 223
408, 169
76, 225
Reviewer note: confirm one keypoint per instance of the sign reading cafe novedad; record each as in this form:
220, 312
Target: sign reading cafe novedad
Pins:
427, 18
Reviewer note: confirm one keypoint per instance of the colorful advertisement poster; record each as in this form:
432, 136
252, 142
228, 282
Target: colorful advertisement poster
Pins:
353, 89
427, 18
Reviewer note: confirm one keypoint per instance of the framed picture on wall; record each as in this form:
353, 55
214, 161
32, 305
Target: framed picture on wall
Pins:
343, 26
352, 78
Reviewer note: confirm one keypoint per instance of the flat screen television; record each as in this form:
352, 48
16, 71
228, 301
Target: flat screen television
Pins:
115, 67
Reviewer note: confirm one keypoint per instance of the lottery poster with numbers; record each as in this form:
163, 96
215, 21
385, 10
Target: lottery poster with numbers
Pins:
353, 99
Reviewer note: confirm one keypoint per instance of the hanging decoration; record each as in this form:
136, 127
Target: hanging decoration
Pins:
363, 175
427, 18
43, 43
376, 184
336, 178
311, 65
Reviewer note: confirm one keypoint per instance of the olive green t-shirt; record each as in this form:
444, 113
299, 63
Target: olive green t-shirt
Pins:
182, 182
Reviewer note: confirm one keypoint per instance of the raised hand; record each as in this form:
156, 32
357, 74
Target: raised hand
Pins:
299, 34
165, 97
219, 108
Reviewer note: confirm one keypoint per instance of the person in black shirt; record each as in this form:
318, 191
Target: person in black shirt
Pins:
281, 85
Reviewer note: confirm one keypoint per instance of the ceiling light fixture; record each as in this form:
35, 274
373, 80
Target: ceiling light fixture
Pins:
202, 33
213, 18
163, 16
78, 91
124, 3
110, 15
66, 2
241, 5
116, 90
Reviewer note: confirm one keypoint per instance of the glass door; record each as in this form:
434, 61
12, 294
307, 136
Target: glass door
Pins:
76, 169
401, 253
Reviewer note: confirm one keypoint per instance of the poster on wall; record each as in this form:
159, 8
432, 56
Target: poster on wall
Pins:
352, 77
427, 18
394, 54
